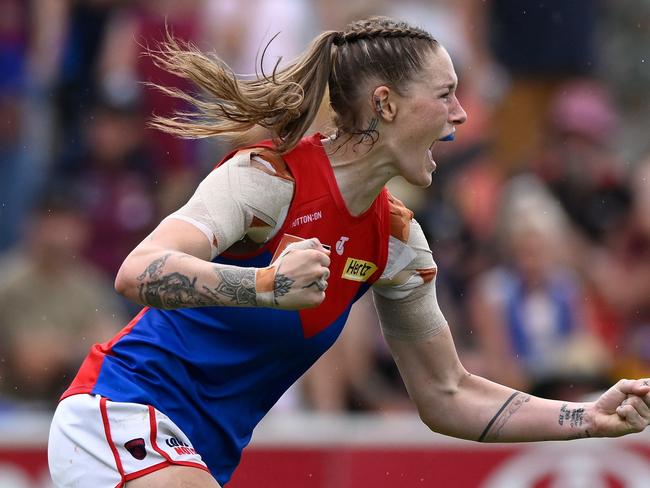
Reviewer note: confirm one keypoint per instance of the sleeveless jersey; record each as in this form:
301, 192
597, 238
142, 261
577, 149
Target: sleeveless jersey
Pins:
216, 371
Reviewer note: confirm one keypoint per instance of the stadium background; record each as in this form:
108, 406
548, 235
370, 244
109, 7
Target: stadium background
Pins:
538, 217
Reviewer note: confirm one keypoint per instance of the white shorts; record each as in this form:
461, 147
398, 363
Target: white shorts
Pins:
99, 443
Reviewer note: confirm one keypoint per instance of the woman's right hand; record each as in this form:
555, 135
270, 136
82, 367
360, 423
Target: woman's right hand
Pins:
296, 279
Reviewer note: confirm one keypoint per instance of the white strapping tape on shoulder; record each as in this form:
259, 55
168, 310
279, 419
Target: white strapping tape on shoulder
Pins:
226, 201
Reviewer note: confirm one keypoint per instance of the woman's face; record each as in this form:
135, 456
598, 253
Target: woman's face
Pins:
427, 112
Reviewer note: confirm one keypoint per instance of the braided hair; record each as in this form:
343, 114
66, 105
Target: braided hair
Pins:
377, 49
377, 28
380, 49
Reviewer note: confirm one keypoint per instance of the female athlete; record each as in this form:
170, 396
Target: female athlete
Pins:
246, 285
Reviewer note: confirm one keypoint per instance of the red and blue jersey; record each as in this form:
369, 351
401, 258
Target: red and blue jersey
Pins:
216, 371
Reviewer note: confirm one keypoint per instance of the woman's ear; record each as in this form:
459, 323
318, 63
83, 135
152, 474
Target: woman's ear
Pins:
383, 103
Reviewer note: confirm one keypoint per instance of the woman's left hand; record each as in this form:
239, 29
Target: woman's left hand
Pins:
623, 409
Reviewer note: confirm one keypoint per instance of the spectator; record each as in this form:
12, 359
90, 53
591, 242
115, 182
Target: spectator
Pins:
54, 306
590, 181
527, 311
26, 73
84, 25
124, 65
523, 51
115, 184
621, 273
577, 160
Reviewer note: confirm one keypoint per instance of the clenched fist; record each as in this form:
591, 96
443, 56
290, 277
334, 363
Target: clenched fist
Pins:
296, 279
623, 409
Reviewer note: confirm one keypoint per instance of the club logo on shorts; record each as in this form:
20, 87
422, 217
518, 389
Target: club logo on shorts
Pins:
358, 269
136, 448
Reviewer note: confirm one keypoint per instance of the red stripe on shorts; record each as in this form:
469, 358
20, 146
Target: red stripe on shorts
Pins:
109, 438
146, 471
154, 434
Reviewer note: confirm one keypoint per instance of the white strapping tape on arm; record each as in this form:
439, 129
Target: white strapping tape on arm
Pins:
407, 305
226, 201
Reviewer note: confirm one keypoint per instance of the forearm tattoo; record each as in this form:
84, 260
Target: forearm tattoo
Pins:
175, 289
574, 418
154, 269
493, 429
237, 287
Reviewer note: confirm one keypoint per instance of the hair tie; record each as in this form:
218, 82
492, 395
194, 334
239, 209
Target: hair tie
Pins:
338, 39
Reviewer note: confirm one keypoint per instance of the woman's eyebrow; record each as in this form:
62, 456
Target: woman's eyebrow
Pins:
447, 87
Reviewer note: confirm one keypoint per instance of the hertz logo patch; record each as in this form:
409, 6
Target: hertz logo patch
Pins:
358, 270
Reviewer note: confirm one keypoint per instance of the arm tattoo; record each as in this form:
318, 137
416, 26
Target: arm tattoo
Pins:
580, 435
172, 290
154, 269
508, 409
237, 286
281, 286
574, 418
176, 290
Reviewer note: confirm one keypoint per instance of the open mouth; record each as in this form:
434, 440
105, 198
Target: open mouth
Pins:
448, 137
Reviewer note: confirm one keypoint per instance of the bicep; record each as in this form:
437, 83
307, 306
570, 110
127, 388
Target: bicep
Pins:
421, 344
430, 367
176, 235
171, 236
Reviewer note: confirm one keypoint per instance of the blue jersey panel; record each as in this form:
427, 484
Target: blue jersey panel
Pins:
215, 371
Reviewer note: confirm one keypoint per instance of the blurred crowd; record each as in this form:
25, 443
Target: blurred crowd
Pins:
538, 216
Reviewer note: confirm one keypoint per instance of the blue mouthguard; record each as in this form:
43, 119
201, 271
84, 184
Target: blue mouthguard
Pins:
449, 137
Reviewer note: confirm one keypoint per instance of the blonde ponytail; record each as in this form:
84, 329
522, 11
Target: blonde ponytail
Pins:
284, 102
